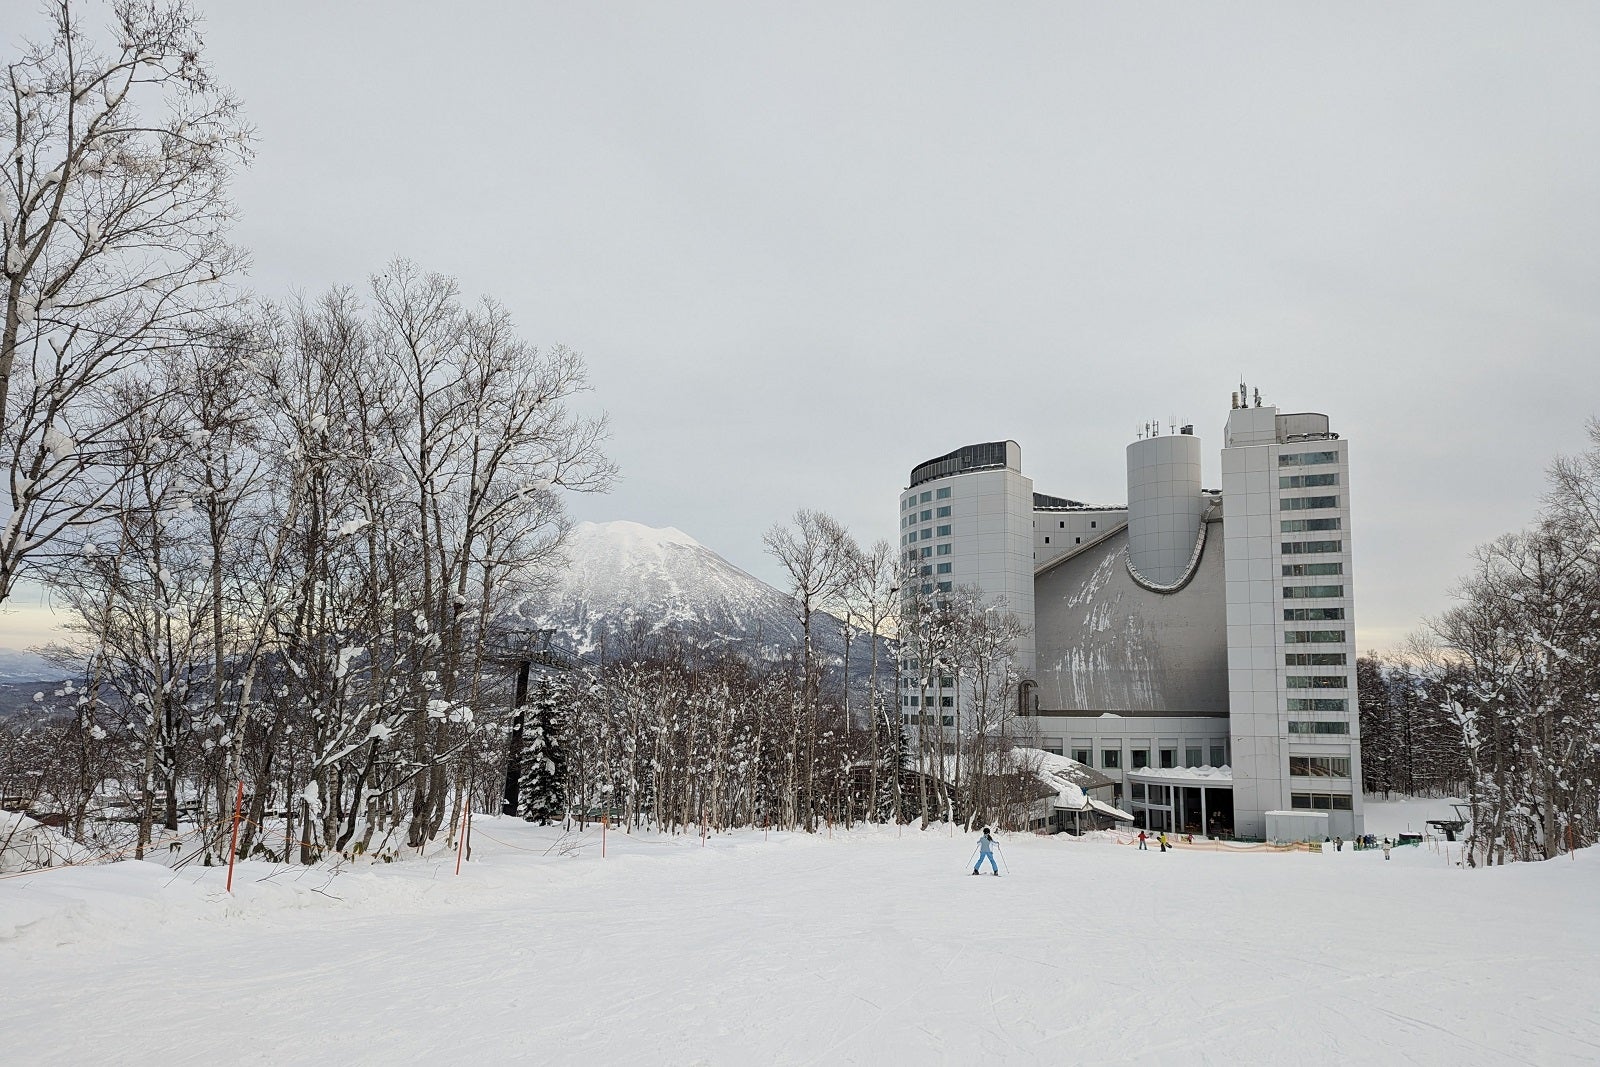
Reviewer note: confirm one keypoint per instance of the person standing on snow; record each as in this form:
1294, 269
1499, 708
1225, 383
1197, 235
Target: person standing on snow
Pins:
1386, 848
1142, 846
1161, 839
986, 852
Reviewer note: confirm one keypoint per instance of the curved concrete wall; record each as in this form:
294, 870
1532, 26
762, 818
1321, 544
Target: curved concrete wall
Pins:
1164, 505
1107, 644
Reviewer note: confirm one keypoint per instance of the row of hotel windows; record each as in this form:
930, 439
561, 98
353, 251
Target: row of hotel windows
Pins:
1307, 525
1318, 681
1306, 459
1319, 704
1320, 801
1299, 726
927, 534
913, 500
943, 568
1313, 637
912, 701
1312, 614
1314, 659
926, 516
1319, 766
1307, 503
1306, 481
924, 719
1302, 548
1139, 758
1311, 570
1312, 592
928, 552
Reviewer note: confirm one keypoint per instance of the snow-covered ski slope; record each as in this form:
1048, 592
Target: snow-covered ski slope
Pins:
864, 948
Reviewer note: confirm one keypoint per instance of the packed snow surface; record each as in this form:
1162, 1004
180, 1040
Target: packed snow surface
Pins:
866, 947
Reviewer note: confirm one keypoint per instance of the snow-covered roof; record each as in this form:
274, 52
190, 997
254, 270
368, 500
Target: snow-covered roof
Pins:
1107, 809
1069, 778
1211, 776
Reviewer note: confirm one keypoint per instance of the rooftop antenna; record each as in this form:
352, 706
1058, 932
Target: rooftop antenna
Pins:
1258, 398
1172, 424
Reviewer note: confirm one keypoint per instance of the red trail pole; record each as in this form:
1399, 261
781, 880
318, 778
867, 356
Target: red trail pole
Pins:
233, 845
461, 841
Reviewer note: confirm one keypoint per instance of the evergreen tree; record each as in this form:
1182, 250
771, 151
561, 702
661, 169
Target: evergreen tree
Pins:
544, 791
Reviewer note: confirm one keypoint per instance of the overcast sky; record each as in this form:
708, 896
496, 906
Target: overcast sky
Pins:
805, 246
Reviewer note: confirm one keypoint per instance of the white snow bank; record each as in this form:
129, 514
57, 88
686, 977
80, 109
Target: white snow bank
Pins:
26, 844
878, 945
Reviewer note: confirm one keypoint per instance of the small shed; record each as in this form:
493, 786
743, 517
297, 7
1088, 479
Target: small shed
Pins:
1287, 827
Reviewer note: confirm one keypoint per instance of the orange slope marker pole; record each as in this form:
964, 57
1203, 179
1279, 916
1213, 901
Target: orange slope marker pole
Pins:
233, 845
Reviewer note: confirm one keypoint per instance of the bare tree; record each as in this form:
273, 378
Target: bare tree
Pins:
114, 160
811, 552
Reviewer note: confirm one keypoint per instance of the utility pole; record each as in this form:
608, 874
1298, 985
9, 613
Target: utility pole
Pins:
511, 802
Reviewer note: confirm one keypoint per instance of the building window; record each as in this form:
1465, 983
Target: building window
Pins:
944, 512
1306, 481
911, 701
1317, 681
943, 531
1063, 525
926, 534
1110, 758
943, 493
1083, 756
944, 550
1192, 756
1314, 659
1092, 524
1313, 637
1312, 614
1308, 525
1319, 704
1312, 592
944, 568
1320, 801
927, 569
1136, 790
1307, 503
1306, 459
1319, 766
926, 552
925, 516
1301, 726
944, 587
1309, 570
1077, 540
926, 588
1169, 758
1219, 755
1141, 758
925, 498
1301, 548
947, 702
1047, 539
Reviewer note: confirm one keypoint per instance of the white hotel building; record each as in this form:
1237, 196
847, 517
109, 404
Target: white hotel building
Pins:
1197, 645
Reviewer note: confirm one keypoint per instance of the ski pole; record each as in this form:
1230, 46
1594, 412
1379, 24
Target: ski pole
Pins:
1003, 862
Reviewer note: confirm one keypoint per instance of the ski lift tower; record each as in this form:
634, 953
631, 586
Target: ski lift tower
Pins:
527, 651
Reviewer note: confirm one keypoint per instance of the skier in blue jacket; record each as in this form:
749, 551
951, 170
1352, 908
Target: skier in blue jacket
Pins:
986, 852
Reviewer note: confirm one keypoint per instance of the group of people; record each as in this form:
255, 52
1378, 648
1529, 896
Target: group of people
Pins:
1161, 840
1361, 841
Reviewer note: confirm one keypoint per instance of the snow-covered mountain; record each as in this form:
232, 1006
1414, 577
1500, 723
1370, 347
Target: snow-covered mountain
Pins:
626, 584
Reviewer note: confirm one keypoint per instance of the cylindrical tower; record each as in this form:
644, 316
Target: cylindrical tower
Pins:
1164, 505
